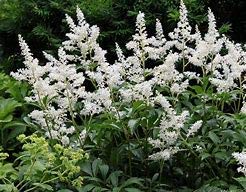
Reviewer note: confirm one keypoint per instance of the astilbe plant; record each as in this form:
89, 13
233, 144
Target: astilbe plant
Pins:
80, 84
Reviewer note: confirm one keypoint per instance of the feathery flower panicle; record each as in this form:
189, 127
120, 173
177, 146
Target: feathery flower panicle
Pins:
33, 71
183, 31
159, 30
194, 128
169, 130
213, 33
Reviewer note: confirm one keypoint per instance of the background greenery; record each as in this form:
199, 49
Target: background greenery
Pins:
42, 22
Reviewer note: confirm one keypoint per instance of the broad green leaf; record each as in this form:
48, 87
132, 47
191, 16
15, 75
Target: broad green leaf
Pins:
95, 166
114, 178
104, 170
7, 106
221, 155
87, 188
6, 119
116, 189
86, 167
132, 181
7, 169
198, 89
214, 137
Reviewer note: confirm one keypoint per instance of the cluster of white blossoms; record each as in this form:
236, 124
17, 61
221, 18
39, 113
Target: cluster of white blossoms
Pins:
169, 130
62, 83
241, 158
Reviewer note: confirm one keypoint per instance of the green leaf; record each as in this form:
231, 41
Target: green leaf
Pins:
114, 178
43, 186
86, 167
6, 119
87, 188
132, 181
133, 190
241, 181
198, 89
16, 128
95, 166
221, 155
104, 170
8, 188
65, 190
7, 106
214, 137
132, 124
116, 189
155, 177
205, 156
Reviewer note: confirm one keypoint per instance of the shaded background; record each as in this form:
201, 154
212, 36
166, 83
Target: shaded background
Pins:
42, 23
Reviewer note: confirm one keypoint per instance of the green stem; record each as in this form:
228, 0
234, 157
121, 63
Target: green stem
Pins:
28, 174
193, 152
161, 170
240, 94
72, 115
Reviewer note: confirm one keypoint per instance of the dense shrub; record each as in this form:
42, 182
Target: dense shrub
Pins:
168, 115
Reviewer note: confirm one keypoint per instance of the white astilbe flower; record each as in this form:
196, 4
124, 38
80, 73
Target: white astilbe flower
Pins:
166, 72
169, 130
164, 154
53, 122
58, 86
212, 31
158, 45
229, 68
194, 128
140, 38
182, 33
207, 47
141, 91
83, 39
96, 102
33, 71
241, 158
179, 88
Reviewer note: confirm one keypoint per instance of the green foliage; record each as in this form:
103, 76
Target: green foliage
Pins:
41, 166
12, 110
100, 178
41, 25
118, 146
